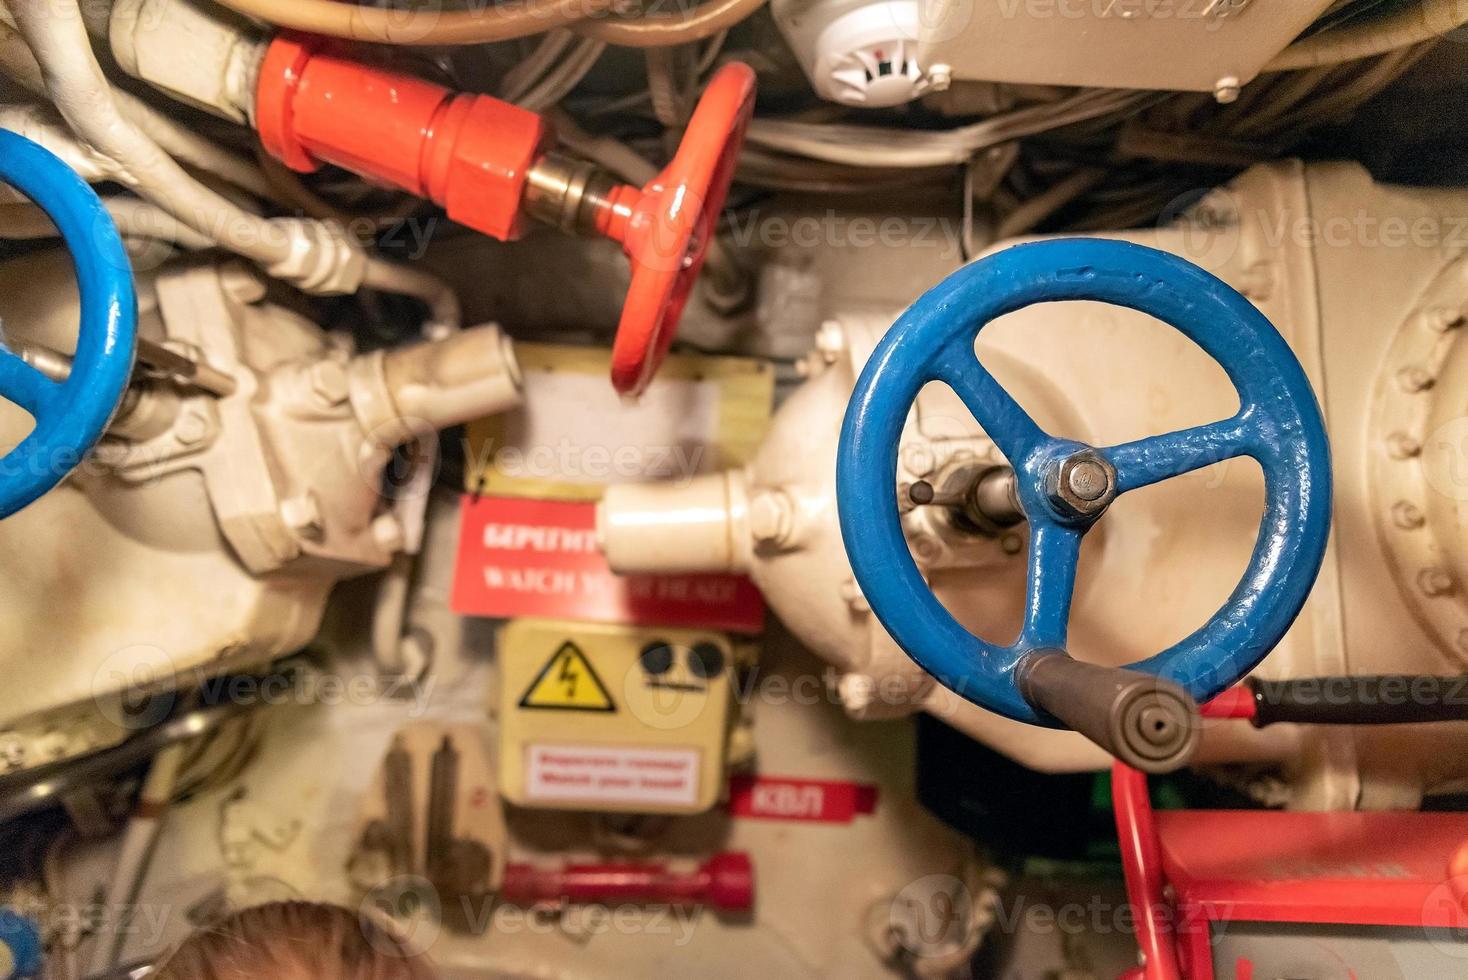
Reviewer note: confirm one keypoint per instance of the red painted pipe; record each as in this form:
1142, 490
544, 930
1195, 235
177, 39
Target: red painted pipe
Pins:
1141, 862
1236, 702
725, 882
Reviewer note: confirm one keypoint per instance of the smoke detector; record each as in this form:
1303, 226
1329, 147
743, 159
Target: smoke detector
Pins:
861, 54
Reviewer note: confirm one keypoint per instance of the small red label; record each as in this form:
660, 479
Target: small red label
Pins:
522, 557
818, 800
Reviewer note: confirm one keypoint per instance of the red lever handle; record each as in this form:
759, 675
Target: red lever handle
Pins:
484, 161
725, 882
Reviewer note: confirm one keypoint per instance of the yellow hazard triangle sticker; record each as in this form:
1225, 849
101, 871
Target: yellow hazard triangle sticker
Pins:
568, 682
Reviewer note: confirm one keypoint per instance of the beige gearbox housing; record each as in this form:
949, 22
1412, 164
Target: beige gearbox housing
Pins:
204, 532
1179, 45
1368, 284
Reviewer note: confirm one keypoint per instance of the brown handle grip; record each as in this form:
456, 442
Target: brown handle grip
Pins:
1147, 722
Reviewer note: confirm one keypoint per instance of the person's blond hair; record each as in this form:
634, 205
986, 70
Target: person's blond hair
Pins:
294, 941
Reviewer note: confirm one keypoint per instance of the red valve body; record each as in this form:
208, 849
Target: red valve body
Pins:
725, 882
470, 154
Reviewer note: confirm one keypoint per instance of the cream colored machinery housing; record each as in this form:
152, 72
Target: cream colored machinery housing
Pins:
1369, 285
205, 531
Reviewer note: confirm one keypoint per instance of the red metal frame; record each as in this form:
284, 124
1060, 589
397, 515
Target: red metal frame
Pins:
1187, 870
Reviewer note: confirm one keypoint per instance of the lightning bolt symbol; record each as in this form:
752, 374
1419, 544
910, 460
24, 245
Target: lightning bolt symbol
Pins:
569, 674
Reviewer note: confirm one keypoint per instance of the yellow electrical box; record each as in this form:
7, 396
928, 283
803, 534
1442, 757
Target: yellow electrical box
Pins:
620, 718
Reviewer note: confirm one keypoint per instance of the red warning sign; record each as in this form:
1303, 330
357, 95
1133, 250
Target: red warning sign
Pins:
522, 557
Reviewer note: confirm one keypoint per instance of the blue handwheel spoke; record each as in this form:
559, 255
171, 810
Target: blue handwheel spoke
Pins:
1004, 421
1157, 458
1054, 552
23, 384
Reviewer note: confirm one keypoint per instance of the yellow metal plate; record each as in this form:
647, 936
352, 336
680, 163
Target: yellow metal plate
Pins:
574, 435
601, 717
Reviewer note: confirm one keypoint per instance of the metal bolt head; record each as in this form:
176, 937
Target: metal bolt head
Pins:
387, 533
1434, 582
1399, 445
1081, 485
1414, 378
303, 515
191, 428
940, 77
1088, 480
241, 282
1226, 89
329, 382
1407, 515
1442, 319
830, 340
771, 517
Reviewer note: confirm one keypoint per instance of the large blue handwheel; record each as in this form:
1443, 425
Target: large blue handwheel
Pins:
1064, 486
70, 415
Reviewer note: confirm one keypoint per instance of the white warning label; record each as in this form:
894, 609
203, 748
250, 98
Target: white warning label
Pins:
611, 774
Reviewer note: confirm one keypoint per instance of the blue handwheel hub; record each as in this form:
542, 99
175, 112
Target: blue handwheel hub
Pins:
1278, 424
71, 415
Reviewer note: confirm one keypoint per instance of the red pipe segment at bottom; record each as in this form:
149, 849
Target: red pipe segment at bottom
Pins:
725, 883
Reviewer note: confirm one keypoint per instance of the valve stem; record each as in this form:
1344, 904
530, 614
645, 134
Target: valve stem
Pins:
983, 499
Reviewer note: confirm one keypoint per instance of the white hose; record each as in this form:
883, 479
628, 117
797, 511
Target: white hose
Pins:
17, 62
873, 146
1426, 20
610, 154
519, 80
134, 219
445, 314
314, 257
564, 77
41, 125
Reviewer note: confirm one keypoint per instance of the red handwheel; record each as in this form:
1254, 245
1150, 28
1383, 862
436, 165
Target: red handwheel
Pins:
488, 164
665, 227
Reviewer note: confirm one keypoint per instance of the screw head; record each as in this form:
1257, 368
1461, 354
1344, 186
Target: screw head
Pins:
1081, 485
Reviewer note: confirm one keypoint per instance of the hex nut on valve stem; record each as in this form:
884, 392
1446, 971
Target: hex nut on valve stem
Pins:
1081, 485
